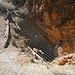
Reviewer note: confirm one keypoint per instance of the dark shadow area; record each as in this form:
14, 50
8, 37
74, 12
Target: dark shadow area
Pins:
37, 40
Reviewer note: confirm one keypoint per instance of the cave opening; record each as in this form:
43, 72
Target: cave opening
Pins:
38, 41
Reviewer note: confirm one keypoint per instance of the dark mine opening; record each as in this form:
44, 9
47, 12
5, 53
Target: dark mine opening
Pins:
45, 46
38, 41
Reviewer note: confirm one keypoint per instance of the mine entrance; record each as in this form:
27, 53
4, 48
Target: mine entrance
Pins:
37, 40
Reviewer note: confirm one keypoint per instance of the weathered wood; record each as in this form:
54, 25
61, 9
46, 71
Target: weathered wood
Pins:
16, 23
16, 13
35, 54
7, 34
10, 18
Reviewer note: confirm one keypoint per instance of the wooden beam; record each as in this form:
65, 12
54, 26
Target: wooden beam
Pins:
7, 34
34, 53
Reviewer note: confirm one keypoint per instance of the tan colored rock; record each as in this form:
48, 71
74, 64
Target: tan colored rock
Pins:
68, 59
62, 61
33, 60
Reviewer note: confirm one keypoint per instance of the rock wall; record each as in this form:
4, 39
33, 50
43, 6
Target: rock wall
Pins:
54, 18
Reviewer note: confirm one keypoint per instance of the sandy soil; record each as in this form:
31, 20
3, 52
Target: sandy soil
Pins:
15, 62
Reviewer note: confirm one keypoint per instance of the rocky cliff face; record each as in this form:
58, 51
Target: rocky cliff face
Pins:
54, 18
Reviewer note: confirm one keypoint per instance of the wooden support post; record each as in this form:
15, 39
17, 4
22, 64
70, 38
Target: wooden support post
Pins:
8, 26
7, 34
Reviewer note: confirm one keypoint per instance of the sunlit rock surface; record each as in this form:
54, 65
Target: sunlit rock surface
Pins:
54, 18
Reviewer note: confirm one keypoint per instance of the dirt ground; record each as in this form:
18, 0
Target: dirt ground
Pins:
15, 62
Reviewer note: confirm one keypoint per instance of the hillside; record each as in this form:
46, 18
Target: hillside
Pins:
45, 45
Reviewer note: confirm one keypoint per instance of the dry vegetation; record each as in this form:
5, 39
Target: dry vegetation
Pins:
4, 5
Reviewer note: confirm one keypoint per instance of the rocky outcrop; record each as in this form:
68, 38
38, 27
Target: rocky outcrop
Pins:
54, 18
65, 60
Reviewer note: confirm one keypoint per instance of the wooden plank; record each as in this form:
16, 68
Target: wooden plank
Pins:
34, 53
7, 34
15, 23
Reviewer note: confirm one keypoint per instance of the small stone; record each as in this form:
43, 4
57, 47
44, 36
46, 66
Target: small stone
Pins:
62, 61
73, 62
69, 63
33, 61
47, 67
70, 56
73, 58
36, 36
69, 60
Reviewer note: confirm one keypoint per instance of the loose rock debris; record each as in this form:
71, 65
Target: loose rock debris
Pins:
37, 50
67, 59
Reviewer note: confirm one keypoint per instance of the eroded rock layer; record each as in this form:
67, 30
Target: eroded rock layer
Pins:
54, 18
